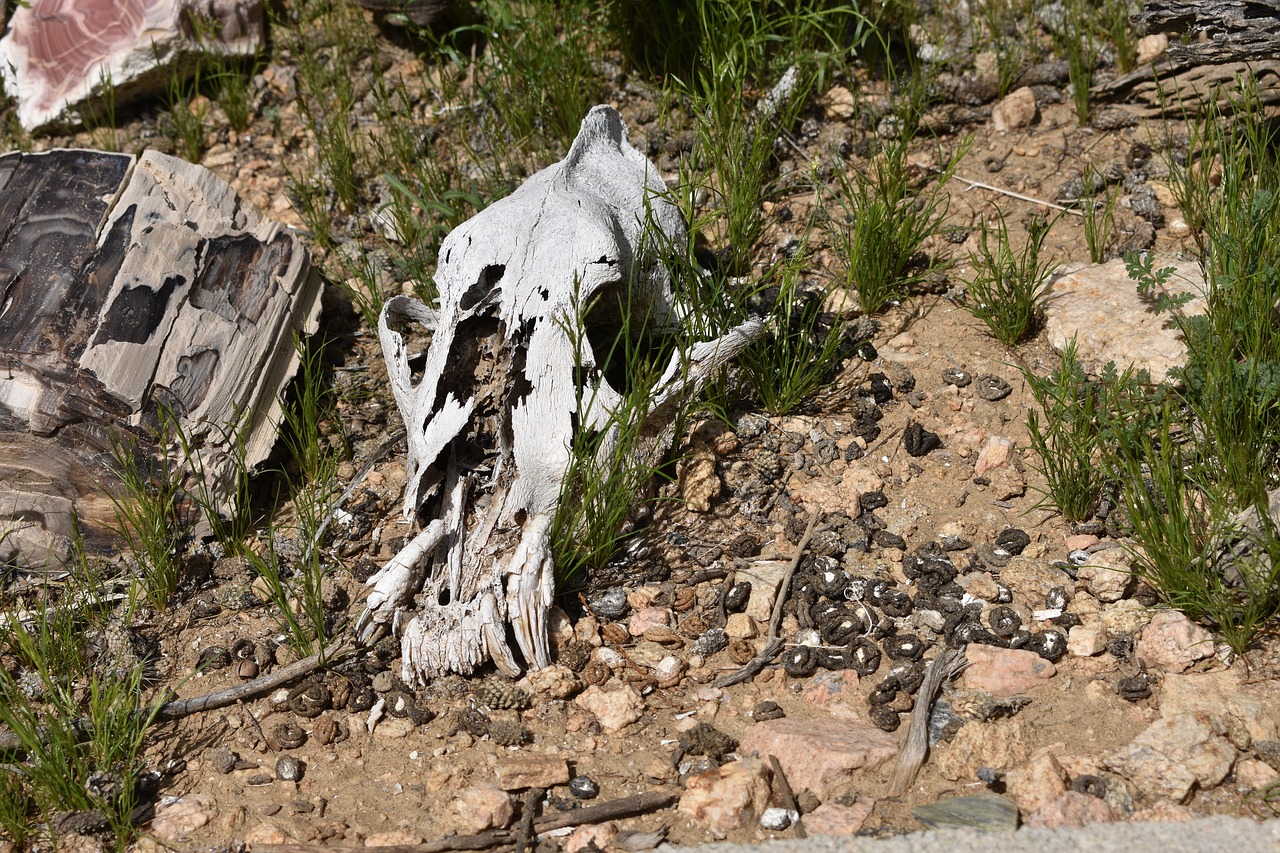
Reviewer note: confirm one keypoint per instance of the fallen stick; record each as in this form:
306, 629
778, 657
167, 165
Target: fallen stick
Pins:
788, 796
774, 646
945, 666
525, 831
179, 708
612, 810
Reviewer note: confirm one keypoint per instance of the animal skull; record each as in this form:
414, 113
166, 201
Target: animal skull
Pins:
491, 419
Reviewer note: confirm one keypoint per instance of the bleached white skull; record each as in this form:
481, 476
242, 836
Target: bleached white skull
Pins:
504, 386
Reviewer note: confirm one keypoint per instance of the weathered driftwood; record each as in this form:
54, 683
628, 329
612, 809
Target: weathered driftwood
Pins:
127, 286
1229, 40
60, 57
504, 388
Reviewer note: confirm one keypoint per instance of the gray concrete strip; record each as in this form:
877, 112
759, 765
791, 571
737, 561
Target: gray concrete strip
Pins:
1205, 835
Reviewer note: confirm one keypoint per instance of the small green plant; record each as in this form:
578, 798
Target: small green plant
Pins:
1077, 420
187, 114
1098, 214
1077, 42
611, 468
100, 117
885, 216
1004, 29
1116, 17
151, 515
78, 723
295, 582
802, 348
1009, 287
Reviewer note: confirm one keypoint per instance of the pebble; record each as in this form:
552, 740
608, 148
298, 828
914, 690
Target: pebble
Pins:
610, 604
1016, 110
614, 709
485, 806
289, 769
584, 787
776, 819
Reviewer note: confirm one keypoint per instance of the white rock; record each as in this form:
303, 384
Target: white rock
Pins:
1100, 307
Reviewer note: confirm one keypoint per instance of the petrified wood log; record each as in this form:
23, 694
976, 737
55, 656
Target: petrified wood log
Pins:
61, 57
126, 286
506, 383
1228, 40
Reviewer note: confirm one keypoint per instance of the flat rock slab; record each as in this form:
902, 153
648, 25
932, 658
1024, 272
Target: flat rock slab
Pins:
820, 754
61, 57
988, 812
132, 286
1101, 308
1004, 672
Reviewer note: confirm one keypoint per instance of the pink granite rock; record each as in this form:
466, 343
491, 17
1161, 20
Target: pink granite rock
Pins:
1037, 783
1173, 756
1071, 808
60, 56
835, 819
822, 755
1172, 643
1005, 672
1017, 109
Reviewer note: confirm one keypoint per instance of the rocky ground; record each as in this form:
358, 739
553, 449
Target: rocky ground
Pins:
1084, 699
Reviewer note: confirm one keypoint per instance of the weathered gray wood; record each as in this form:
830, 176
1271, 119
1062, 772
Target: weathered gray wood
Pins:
1227, 41
127, 287
509, 376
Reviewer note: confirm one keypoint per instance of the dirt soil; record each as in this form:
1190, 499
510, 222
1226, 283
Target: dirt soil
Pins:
880, 507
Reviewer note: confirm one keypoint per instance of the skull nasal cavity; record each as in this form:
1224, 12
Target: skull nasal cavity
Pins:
489, 276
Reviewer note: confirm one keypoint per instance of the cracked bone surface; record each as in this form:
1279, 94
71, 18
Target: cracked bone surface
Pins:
492, 414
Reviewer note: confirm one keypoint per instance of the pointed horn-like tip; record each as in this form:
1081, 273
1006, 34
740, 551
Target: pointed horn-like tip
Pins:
603, 124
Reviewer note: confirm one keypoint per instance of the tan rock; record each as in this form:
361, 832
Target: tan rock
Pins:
1004, 672
1255, 775
699, 483
1017, 109
999, 745
1032, 579
1108, 575
994, 455
727, 797
1080, 541
740, 626
74, 843
1037, 783
554, 682
1224, 698
615, 709
1125, 617
835, 819
1164, 811
765, 577
823, 755
485, 806
821, 493
531, 771
393, 728
838, 104
591, 838
176, 820
1150, 47
1071, 808
1172, 643
267, 833
1087, 640
1173, 756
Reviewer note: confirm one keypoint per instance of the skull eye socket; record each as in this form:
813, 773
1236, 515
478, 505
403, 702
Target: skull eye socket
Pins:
489, 278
